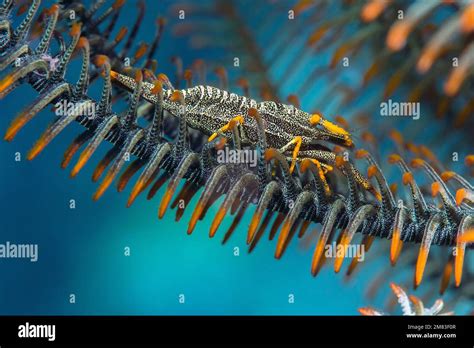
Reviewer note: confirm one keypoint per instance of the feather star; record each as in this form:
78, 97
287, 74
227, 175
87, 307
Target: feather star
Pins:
411, 305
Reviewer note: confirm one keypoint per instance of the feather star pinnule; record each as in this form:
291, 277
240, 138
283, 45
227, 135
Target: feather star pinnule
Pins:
411, 305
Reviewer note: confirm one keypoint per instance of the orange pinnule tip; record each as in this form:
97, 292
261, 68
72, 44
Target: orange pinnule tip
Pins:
138, 76
305, 163
37, 148
162, 77
69, 153
176, 96
345, 240
394, 188
397, 35
117, 4
6, 82
420, 265
367, 311
426, 60
342, 121
242, 82
412, 147
317, 34
371, 171
270, 154
157, 87
165, 201
337, 149
252, 112
448, 175
339, 161
415, 300
14, 128
52, 10
128, 70
83, 42
407, 178
396, 136
368, 137
435, 187
22, 9
454, 82
37, 29
371, 10
469, 160
302, 5
315, 119
425, 151
102, 187
458, 264
361, 153
75, 29
397, 290
460, 195
417, 163
217, 221
135, 191
467, 19
121, 34
188, 74
395, 246
141, 51
282, 239
148, 74
221, 143
377, 194
253, 226
83, 158
220, 71
394, 158
293, 99
448, 270
161, 21
101, 60
265, 93
318, 253
198, 63
113, 74
74, 171
195, 217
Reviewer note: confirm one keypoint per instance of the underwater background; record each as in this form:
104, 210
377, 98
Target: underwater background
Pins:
82, 251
